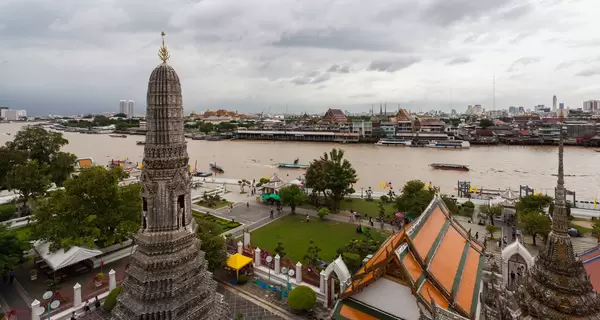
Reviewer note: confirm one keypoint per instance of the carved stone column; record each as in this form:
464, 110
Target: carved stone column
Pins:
322, 282
299, 272
240, 247
77, 295
257, 257
277, 264
112, 279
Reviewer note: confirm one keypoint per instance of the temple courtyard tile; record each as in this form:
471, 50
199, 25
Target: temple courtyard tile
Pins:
294, 233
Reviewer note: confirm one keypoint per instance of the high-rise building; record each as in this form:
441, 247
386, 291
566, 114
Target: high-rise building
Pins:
554, 101
592, 106
130, 111
123, 106
167, 278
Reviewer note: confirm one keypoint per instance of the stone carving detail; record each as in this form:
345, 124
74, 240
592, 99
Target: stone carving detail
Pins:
167, 277
557, 286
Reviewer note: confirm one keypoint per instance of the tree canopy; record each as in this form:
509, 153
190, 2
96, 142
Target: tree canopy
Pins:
211, 243
31, 181
534, 224
533, 203
485, 123
92, 209
293, 196
12, 249
331, 175
415, 198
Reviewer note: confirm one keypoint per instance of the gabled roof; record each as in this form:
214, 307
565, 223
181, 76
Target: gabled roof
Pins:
591, 263
440, 259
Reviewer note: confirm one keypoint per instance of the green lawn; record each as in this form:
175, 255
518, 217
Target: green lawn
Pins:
362, 206
294, 233
225, 225
220, 204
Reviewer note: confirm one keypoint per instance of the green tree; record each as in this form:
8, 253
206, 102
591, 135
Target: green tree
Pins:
226, 126
212, 243
491, 229
12, 249
292, 196
91, 209
44, 147
450, 204
280, 250
534, 224
120, 115
491, 211
332, 175
313, 254
30, 180
352, 260
8, 159
302, 298
322, 213
381, 214
485, 123
61, 167
206, 127
533, 203
414, 199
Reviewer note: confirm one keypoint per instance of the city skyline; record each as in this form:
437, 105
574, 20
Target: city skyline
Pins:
257, 55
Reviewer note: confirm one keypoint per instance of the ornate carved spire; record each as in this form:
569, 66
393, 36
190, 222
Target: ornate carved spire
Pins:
557, 287
163, 53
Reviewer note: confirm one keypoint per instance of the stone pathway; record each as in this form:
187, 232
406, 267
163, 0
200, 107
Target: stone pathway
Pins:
12, 298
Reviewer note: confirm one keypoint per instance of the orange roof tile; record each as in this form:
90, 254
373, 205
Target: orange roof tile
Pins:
412, 266
466, 289
428, 292
353, 314
425, 238
444, 265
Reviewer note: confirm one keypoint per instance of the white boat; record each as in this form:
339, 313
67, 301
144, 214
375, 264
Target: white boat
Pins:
449, 144
394, 143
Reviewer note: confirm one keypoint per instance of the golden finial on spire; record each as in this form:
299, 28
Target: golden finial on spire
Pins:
163, 53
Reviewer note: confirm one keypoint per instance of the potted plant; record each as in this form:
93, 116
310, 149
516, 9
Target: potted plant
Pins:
98, 279
33, 274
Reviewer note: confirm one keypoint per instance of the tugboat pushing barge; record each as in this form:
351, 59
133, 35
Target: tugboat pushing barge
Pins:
449, 166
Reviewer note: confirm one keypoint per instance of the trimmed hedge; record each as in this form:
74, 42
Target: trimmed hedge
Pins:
302, 298
111, 299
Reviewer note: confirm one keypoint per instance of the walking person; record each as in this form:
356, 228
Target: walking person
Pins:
271, 214
86, 308
307, 218
476, 235
11, 276
247, 205
97, 304
73, 316
371, 221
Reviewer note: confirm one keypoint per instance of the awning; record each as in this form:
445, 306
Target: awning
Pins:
59, 258
273, 196
238, 261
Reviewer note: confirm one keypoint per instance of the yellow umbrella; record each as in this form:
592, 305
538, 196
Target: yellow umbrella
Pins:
238, 261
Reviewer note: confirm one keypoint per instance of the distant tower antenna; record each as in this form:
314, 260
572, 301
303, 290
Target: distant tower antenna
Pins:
494, 92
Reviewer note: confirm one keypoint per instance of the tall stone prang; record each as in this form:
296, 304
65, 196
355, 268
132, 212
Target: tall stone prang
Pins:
167, 278
558, 287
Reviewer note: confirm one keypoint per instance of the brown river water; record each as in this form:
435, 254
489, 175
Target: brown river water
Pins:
493, 167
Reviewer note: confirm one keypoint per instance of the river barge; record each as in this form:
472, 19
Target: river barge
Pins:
140, 143
292, 165
394, 143
118, 135
449, 166
449, 144
216, 168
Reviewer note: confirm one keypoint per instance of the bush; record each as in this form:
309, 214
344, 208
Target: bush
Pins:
352, 260
323, 212
469, 204
302, 298
111, 299
384, 199
242, 279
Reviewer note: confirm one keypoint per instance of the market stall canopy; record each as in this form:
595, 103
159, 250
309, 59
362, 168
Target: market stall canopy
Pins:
273, 196
510, 195
59, 258
238, 261
275, 183
297, 182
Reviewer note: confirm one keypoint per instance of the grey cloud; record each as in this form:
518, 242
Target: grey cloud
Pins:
589, 72
361, 95
516, 12
392, 65
338, 39
313, 77
522, 62
575, 62
339, 68
445, 13
459, 60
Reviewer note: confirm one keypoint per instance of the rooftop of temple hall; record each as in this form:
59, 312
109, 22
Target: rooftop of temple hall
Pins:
431, 264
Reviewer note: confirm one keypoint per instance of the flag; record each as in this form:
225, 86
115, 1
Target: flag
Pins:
430, 186
470, 189
595, 201
475, 190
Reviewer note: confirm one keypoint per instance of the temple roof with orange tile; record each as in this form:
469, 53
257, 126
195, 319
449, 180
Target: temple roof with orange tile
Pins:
441, 261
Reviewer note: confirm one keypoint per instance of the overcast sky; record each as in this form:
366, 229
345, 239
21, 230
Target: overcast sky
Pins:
77, 56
